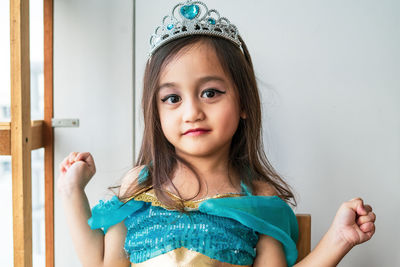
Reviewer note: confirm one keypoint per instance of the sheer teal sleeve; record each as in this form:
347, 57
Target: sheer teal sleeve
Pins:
111, 212
268, 215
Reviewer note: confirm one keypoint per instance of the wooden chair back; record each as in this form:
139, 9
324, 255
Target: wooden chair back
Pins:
304, 242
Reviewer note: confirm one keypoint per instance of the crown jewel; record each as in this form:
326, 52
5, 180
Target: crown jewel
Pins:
191, 18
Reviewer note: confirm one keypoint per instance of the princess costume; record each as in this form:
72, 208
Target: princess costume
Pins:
217, 231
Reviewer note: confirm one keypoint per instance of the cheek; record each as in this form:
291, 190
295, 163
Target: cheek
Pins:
228, 118
168, 124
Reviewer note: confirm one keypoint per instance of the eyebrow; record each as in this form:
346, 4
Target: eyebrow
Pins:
199, 81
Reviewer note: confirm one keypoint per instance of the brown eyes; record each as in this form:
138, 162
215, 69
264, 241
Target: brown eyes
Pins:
174, 98
209, 93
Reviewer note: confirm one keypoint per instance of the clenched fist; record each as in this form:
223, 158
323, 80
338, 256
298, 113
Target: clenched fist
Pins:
354, 222
76, 170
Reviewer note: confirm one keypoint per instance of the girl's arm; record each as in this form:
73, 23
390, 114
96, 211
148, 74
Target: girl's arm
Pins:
328, 252
88, 244
92, 247
352, 225
269, 253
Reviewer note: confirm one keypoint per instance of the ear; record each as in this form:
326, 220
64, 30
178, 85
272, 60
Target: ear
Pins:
243, 115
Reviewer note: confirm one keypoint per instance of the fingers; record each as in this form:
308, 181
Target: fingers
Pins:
82, 156
357, 205
71, 159
370, 217
72, 156
366, 218
368, 208
367, 227
76, 156
79, 156
64, 164
369, 230
366, 222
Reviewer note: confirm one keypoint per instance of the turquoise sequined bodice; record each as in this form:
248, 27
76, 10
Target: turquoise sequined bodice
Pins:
154, 230
225, 229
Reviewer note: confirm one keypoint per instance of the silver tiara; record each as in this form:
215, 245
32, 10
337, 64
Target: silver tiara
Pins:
191, 18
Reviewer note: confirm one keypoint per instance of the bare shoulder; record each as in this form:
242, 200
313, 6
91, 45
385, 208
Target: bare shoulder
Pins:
130, 179
262, 188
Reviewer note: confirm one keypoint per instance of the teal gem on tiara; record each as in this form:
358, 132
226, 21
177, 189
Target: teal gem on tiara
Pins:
170, 26
211, 21
190, 11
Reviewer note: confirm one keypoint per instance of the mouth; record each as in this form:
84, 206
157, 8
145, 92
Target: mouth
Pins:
195, 132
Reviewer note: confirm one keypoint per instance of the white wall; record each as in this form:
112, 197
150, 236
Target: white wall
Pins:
328, 72
93, 67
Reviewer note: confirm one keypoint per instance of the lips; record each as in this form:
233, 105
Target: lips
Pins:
197, 130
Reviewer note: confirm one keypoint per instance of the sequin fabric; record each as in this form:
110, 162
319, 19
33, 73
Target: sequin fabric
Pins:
154, 230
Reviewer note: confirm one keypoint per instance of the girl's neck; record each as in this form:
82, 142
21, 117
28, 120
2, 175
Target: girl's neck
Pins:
214, 178
207, 166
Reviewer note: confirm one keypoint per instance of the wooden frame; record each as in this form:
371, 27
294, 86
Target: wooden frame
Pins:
304, 242
48, 131
20, 132
20, 136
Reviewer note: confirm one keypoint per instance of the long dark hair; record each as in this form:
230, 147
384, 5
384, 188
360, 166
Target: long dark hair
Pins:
246, 157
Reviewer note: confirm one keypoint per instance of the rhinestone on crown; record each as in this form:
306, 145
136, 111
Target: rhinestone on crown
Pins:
191, 18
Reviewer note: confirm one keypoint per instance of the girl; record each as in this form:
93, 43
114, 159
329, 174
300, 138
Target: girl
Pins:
202, 192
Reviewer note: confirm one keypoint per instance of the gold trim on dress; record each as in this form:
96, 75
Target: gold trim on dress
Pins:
148, 195
144, 189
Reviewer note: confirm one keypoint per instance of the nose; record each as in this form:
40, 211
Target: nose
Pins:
193, 111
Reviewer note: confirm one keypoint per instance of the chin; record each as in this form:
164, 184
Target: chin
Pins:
200, 152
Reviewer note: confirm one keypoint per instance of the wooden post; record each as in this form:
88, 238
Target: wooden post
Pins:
304, 242
21, 132
48, 131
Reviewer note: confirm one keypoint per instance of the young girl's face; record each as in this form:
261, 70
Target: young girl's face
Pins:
195, 92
